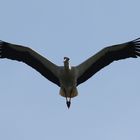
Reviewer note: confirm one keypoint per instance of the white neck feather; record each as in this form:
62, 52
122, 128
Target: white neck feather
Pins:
66, 65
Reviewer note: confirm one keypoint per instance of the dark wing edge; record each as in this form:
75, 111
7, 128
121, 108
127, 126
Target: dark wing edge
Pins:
104, 57
31, 58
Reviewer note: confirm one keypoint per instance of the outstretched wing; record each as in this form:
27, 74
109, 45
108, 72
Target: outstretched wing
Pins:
30, 57
107, 55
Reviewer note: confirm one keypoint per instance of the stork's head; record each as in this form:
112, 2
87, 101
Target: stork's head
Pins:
66, 59
66, 63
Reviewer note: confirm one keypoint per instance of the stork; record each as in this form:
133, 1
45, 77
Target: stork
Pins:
66, 77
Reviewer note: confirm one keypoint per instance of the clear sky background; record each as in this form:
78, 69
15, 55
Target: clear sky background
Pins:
108, 105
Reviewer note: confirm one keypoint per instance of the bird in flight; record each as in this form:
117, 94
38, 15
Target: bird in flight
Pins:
67, 77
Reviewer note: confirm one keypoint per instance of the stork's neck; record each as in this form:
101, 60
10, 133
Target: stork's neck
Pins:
66, 65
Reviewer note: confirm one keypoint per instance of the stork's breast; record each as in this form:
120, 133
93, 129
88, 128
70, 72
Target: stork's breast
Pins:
68, 77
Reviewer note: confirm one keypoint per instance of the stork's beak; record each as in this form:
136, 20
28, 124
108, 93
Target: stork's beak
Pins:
68, 104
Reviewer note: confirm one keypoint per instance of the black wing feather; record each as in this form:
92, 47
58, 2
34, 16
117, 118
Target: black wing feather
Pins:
30, 57
105, 57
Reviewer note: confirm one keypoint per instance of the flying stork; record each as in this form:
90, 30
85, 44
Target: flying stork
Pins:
66, 77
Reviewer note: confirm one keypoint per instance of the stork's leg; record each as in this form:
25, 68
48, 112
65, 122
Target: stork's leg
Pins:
68, 102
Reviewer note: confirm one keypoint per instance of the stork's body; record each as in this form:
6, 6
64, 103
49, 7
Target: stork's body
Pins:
68, 81
66, 77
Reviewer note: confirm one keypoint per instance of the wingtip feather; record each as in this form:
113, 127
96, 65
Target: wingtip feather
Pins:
1, 43
135, 40
136, 45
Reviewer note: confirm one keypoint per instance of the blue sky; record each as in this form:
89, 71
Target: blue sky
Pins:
107, 107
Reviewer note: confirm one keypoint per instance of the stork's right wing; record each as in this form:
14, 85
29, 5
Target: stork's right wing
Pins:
105, 57
32, 58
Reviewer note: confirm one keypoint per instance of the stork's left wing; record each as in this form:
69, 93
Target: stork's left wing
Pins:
105, 57
31, 58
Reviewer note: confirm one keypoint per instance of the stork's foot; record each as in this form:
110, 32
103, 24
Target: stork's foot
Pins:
68, 104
